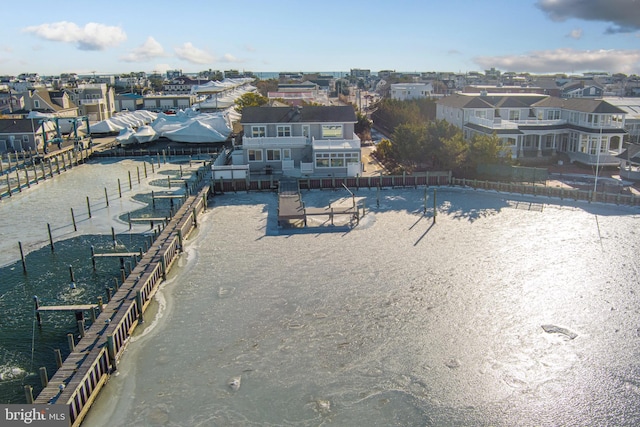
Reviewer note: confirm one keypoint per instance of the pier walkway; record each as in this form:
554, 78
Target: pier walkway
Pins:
91, 361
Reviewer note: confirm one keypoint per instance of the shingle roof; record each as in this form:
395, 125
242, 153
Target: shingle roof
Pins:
307, 114
584, 105
19, 126
489, 101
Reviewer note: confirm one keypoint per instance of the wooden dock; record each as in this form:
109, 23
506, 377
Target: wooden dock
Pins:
92, 360
72, 307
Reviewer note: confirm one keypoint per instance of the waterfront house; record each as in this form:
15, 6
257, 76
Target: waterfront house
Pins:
25, 134
95, 100
588, 131
299, 141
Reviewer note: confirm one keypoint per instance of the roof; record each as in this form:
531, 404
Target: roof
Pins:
491, 101
307, 114
14, 126
631, 154
584, 105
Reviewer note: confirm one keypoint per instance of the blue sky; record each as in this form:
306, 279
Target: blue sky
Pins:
537, 36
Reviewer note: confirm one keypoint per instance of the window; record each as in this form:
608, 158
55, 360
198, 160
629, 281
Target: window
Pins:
284, 131
258, 131
286, 153
322, 160
273, 155
36, 103
514, 114
331, 131
255, 155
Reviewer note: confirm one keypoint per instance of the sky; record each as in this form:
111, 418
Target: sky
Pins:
535, 36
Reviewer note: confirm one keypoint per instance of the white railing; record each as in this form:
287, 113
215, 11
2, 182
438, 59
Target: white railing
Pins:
534, 122
496, 123
279, 142
91, 101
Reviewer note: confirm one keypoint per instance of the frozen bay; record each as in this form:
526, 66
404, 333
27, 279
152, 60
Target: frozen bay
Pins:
507, 311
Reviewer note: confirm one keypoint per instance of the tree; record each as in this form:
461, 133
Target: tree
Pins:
266, 86
363, 127
485, 149
250, 99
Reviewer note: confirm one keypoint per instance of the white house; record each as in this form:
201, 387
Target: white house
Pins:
589, 131
297, 141
406, 91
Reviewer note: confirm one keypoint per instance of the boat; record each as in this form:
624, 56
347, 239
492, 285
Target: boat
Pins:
126, 136
145, 134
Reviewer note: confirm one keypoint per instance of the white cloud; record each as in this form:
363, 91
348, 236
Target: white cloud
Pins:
566, 61
624, 15
148, 50
227, 57
575, 33
192, 54
92, 36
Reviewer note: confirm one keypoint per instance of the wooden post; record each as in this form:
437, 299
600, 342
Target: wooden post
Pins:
72, 276
111, 351
153, 199
71, 341
195, 218
129, 219
145, 169
140, 307
169, 182
100, 305
92, 313
106, 196
81, 327
93, 257
73, 220
138, 172
44, 378
115, 284
18, 176
130, 185
8, 185
88, 207
153, 168
108, 290
425, 201
53, 249
58, 356
113, 237
435, 206
37, 306
119, 188
28, 394
24, 263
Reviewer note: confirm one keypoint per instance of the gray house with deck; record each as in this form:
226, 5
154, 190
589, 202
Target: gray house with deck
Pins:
299, 141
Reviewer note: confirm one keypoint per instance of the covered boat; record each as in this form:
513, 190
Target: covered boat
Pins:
145, 134
195, 131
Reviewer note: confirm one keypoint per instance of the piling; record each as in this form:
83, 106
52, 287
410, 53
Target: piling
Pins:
37, 306
72, 344
28, 394
111, 350
81, 327
72, 276
145, 169
73, 219
93, 257
435, 207
88, 207
113, 237
130, 185
100, 305
53, 249
24, 263
8, 185
106, 196
140, 307
58, 356
138, 172
119, 188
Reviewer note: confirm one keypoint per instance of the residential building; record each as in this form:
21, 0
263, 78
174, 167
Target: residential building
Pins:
25, 134
96, 100
43, 100
129, 102
296, 141
358, 73
588, 131
407, 91
168, 102
631, 107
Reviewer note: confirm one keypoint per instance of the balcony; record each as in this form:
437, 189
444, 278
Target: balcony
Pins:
91, 101
275, 142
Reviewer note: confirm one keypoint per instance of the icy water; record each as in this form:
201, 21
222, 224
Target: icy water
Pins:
25, 347
505, 312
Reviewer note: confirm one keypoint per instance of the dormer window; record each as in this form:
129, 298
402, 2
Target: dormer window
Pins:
258, 131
